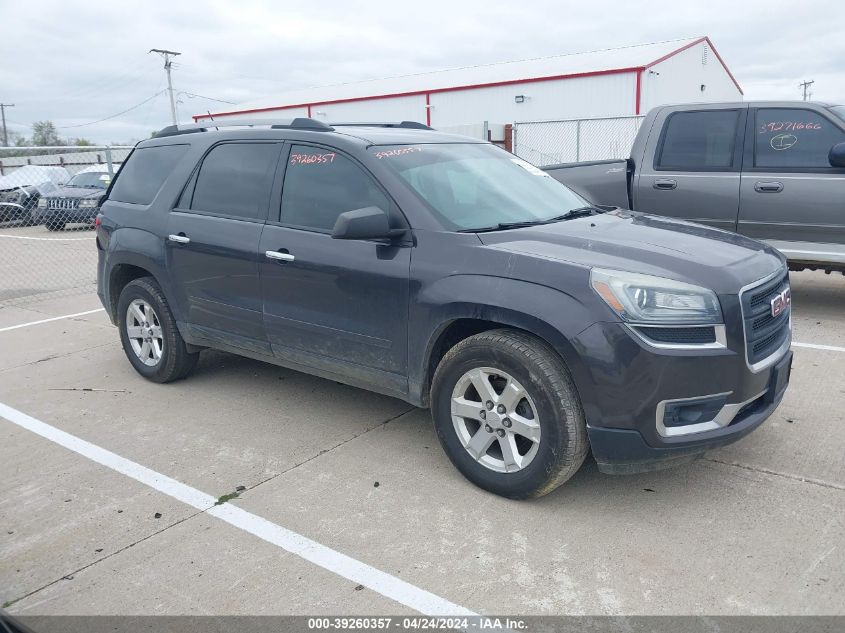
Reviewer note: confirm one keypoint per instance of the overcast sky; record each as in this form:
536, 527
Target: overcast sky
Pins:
78, 62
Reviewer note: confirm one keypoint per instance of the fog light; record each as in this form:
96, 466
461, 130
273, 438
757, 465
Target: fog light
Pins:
695, 411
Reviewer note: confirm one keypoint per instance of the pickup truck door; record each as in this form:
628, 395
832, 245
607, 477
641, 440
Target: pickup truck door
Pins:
340, 306
691, 167
790, 195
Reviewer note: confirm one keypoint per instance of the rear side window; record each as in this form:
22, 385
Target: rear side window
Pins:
321, 184
234, 180
143, 175
699, 141
791, 138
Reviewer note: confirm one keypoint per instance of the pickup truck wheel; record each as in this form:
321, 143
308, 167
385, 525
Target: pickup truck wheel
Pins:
507, 414
149, 335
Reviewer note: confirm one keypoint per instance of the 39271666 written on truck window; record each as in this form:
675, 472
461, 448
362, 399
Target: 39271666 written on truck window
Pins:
450, 274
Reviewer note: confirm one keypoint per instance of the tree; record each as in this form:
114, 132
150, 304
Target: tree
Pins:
45, 133
82, 142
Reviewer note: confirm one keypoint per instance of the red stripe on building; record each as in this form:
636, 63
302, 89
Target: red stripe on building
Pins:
510, 82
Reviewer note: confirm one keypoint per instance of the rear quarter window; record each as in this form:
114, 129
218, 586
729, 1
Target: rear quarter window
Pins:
144, 174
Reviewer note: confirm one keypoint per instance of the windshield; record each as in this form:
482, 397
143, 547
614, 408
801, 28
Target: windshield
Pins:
474, 186
100, 180
839, 111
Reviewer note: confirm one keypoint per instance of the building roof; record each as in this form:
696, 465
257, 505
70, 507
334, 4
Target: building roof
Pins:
605, 61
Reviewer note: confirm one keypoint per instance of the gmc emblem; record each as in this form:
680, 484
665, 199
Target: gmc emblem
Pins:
781, 302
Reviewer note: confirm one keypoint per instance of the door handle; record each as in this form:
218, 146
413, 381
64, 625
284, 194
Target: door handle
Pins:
768, 187
179, 239
665, 184
277, 255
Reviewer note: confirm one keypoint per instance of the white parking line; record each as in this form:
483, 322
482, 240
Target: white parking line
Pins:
829, 348
48, 239
360, 573
58, 318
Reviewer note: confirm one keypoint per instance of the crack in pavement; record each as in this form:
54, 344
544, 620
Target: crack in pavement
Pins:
325, 451
69, 575
55, 357
767, 471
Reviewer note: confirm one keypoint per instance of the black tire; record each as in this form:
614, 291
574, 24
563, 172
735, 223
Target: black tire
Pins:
55, 225
563, 444
176, 361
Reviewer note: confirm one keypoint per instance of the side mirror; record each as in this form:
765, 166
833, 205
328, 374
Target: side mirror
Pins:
364, 224
836, 158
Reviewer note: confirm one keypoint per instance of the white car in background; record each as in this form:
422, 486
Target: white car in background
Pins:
21, 190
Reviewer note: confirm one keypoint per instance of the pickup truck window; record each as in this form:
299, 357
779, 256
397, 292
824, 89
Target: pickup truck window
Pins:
471, 186
320, 184
698, 141
792, 138
838, 111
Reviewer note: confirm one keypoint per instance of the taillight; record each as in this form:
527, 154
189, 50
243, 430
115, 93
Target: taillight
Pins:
97, 221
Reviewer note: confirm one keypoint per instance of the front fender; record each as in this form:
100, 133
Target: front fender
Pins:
550, 314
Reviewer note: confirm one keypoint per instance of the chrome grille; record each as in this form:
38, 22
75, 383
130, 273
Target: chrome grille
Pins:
764, 333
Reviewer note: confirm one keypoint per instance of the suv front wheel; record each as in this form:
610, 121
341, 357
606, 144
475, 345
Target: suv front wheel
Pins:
507, 414
149, 335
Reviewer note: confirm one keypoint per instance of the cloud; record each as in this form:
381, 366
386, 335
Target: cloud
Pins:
75, 63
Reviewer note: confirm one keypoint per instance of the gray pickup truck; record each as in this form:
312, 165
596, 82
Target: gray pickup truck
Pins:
774, 171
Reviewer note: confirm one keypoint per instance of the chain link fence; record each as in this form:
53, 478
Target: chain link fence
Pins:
570, 141
49, 197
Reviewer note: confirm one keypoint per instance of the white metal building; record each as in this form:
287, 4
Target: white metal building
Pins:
611, 82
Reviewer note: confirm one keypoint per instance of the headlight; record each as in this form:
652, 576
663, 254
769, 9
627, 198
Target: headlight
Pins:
42, 203
646, 299
87, 204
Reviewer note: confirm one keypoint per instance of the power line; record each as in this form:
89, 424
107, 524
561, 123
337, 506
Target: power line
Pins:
137, 105
129, 70
191, 94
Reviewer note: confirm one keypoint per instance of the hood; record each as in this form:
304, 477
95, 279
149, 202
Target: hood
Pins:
76, 193
648, 244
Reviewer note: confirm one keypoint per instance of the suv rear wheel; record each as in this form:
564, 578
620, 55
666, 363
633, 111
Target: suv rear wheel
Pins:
507, 414
149, 335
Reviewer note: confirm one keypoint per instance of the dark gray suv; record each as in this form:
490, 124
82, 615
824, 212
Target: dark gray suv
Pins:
448, 273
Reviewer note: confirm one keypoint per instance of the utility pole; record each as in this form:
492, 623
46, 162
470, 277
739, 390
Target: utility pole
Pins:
806, 85
167, 64
3, 107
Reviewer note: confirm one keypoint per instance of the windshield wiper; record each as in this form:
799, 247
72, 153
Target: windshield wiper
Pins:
580, 212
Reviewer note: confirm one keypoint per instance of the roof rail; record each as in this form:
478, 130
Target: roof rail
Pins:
410, 125
299, 123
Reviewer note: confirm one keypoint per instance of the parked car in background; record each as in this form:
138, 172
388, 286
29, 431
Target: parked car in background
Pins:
78, 201
774, 171
451, 274
21, 190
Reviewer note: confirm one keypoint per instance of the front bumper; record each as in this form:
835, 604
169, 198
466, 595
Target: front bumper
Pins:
633, 381
12, 211
65, 216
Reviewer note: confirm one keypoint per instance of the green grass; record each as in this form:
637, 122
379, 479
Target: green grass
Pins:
223, 499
